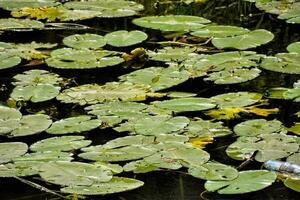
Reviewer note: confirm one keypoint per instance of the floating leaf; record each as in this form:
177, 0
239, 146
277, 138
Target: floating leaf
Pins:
176, 54
172, 22
20, 24
9, 119
220, 31
107, 8
158, 78
17, 169
74, 173
31, 124
124, 38
117, 184
85, 41
293, 183
269, 147
64, 143
214, 171
186, 104
38, 158
202, 128
294, 158
292, 15
294, 47
247, 181
114, 168
8, 61
259, 126
282, 62
113, 91
10, 150
237, 99
76, 124
17, 4
132, 152
67, 58
246, 41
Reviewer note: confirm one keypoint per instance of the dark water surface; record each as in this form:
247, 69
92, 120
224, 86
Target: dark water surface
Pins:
164, 185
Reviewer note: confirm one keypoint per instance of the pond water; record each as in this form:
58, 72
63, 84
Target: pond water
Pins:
163, 184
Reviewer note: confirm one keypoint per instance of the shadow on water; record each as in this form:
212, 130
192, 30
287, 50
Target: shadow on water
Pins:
166, 185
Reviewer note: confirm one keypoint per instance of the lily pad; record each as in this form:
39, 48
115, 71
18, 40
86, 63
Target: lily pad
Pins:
10, 150
31, 124
214, 171
77, 124
259, 126
158, 78
74, 173
282, 62
294, 47
202, 128
237, 99
64, 143
8, 61
220, 31
172, 22
17, 4
294, 158
113, 91
175, 54
67, 58
246, 41
126, 153
125, 38
117, 184
85, 41
9, 119
247, 181
293, 183
19, 24
268, 147
186, 104
292, 15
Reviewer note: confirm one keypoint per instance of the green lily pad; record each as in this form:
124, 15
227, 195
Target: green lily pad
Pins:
12, 24
64, 143
186, 104
17, 4
143, 166
107, 8
114, 168
17, 170
268, 147
8, 61
247, 181
175, 54
117, 184
283, 63
38, 158
294, 158
259, 126
36, 93
125, 38
158, 78
31, 124
292, 15
293, 183
85, 41
172, 22
9, 119
214, 171
294, 47
113, 113
77, 124
157, 125
113, 91
74, 173
220, 31
67, 58
126, 153
237, 99
246, 41
203, 128
10, 150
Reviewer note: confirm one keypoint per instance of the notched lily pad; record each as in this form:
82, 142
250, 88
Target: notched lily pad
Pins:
247, 181
10, 150
172, 22
19, 24
125, 38
85, 41
76, 124
64, 143
220, 31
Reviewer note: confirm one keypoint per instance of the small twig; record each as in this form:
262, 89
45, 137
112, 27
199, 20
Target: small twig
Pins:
245, 163
39, 187
202, 195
